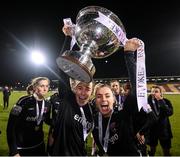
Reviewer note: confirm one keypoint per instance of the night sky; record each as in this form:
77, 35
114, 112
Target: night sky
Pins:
28, 25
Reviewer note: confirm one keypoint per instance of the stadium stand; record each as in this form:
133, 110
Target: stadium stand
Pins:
177, 86
167, 88
172, 87
169, 84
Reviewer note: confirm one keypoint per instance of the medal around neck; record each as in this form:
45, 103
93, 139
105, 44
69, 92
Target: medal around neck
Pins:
95, 40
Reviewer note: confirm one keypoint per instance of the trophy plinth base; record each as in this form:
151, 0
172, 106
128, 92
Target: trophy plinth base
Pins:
73, 68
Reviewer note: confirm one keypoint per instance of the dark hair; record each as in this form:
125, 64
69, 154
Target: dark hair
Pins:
112, 81
158, 87
127, 86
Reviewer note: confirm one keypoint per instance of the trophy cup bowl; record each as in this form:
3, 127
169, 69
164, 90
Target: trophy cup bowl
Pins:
94, 40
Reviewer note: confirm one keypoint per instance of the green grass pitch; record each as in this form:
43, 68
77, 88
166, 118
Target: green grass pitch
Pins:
175, 124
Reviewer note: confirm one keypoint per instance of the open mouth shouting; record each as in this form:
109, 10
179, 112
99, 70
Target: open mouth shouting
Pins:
105, 108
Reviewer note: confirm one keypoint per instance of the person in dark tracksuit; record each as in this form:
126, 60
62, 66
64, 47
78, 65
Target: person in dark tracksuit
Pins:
113, 130
6, 94
161, 130
25, 124
74, 119
119, 93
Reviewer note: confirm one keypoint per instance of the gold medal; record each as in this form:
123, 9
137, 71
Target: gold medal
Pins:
36, 128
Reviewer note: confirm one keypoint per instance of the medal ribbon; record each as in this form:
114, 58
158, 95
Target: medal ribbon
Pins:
39, 117
85, 134
106, 137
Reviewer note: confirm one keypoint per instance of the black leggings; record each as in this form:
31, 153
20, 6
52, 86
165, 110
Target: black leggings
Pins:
6, 102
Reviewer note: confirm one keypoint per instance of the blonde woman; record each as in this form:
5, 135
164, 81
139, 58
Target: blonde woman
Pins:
25, 134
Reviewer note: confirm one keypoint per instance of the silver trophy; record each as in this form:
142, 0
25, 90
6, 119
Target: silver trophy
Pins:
94, 39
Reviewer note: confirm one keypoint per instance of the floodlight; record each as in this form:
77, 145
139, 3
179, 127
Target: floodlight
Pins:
37, 57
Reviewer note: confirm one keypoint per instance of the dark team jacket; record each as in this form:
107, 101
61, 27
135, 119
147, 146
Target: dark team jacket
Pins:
162, 127
55, 101
143, 122
68, 132
121, 139
22, 129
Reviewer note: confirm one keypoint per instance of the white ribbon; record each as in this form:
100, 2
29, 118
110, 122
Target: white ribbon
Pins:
68, 22
103, 19
84, 124
141, 85
39, 117
73, 42
100, 131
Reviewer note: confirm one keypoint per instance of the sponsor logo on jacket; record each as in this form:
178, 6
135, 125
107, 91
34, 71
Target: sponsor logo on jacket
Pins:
31, 119
84, 122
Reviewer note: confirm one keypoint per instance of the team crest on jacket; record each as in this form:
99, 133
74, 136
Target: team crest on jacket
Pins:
16, 110
113, 127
